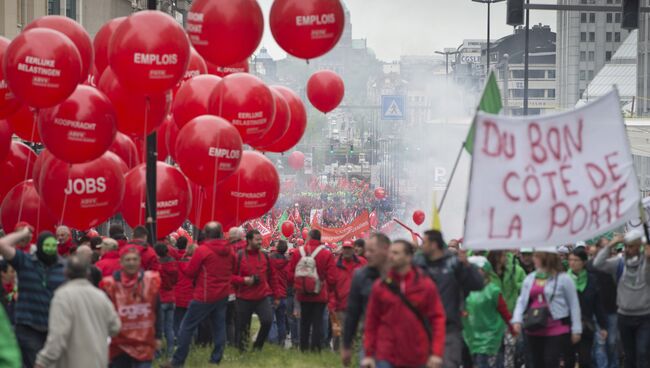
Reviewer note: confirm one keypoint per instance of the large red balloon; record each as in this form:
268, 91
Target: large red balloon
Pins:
297, 124
42, 67
81, 128
9, 103
246, 102
380, 193
296, 160
83, 195
325, 90
23, 203
5, 138
131, 106
197, 65
42, 161
172, 195
23, 124
205, 208
287, 228
161, 143
222, 71
418, 217
225, 32
307, 29
102, 41
125, 148
74, 31
208, 150
193, 98
16, 167
170, 139
280, 123
149, 52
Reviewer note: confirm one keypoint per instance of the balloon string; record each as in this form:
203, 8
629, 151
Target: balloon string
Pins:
65, 196
199, 208
29, 158
144, 195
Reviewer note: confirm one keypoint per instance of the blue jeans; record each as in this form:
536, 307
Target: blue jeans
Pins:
179, 314
605, 352
278, 332
167, 316
294, 323
197, 312
31, 342
386, 364
487, 361
635, 337
125, 361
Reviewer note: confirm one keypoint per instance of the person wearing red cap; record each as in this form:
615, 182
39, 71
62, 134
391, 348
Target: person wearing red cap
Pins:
26, 244
346, 264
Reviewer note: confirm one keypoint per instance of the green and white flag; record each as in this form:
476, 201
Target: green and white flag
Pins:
490, 103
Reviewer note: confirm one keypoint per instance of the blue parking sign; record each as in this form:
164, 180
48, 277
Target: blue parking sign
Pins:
392, 107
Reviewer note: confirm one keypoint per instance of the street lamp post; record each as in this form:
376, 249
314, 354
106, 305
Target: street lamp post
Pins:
489, 3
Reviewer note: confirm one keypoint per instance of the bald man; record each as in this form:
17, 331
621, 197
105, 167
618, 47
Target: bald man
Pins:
64, 237
236, 238
85, 253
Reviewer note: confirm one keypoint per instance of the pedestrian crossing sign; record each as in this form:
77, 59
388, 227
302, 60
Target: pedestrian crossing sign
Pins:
392, 107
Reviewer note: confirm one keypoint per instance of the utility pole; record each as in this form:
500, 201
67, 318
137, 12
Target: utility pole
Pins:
526, 52
489, 3
152, 158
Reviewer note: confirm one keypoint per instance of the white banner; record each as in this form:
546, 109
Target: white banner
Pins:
549, 180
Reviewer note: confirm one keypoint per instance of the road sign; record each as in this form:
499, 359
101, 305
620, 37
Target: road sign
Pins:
392, 108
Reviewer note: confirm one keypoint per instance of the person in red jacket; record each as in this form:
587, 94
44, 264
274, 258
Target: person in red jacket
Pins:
346, 264
184, 288
109, 262
405, 320
134, 294
312, 303
147, 254
64, 237
211, 268
168, 278
280, 264
116, 231
256, 285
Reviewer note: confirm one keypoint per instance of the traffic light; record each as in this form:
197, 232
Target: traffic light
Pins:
630, 18
351, 148
515, 12
331, 148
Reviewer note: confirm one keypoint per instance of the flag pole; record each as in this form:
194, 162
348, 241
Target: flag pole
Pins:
451, 177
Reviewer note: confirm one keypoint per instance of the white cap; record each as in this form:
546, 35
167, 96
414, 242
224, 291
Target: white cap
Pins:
581, 244
478, 261
632, 235
563, 249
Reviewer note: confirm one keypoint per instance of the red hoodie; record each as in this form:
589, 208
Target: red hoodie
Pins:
109, 263
184, 288
65, 248
149, 258
280, 265
251, 263
393, 332
168, 278
211, 268
345, 270
326, 267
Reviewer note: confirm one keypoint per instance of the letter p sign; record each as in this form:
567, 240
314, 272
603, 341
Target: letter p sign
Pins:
440, 174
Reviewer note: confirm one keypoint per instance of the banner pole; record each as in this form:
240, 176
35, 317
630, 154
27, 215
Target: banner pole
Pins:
451, 177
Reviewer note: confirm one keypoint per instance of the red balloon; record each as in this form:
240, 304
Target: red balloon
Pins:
418, 217
23, 203
380, 193
222, 71
125, 148
208, 150
246, 102
205, 208
252, 190
225, 32
93, 77
296, 160
297, 124
5, 138
23, 124
131, 106
325, 90
196, 67
287, 228
41, 162
9, 103
16, 167
42, 67
101, 43
161, 143
280, 122
172, 194
305, 233
149, 52
170, 139
193, 98
81, 128
83, 195
307, 29
74, 31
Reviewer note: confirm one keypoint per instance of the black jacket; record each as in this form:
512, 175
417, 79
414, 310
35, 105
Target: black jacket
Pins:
454, 281
360, 289
591, 305
607, 288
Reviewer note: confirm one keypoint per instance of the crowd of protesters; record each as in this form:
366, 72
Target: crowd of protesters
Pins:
395, 303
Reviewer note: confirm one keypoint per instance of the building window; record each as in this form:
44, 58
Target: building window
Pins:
517, 74
617, 17
550, 74
517, 93
609, 1
536, 74
617, 36
536, 93
550, 93
608, 55
583, 17
592, 17
590, 74
53, 7
71, 9
583, 36
591, 55
583, 55
608, 36
583, 75
610, 17
592, 36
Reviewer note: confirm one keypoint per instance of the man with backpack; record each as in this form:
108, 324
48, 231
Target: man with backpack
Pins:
256, 285
632, 274
313, 271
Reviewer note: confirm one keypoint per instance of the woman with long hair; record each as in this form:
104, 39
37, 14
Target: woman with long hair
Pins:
548, 312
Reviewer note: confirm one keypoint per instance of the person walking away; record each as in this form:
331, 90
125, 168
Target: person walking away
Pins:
405, 320
149, 259
257, 289
454, 278
346, 264
64, 237
81, 315
362, 281
183, 289
109, 261
211, 269
548, 311
134, 293
313, 273
591, 308
39, 275
632, 274
485, 319
168, 278
280, 263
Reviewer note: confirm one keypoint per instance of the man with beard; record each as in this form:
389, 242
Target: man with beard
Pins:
38, 276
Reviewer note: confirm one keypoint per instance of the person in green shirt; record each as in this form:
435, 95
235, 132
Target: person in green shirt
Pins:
9, 352
485, 319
